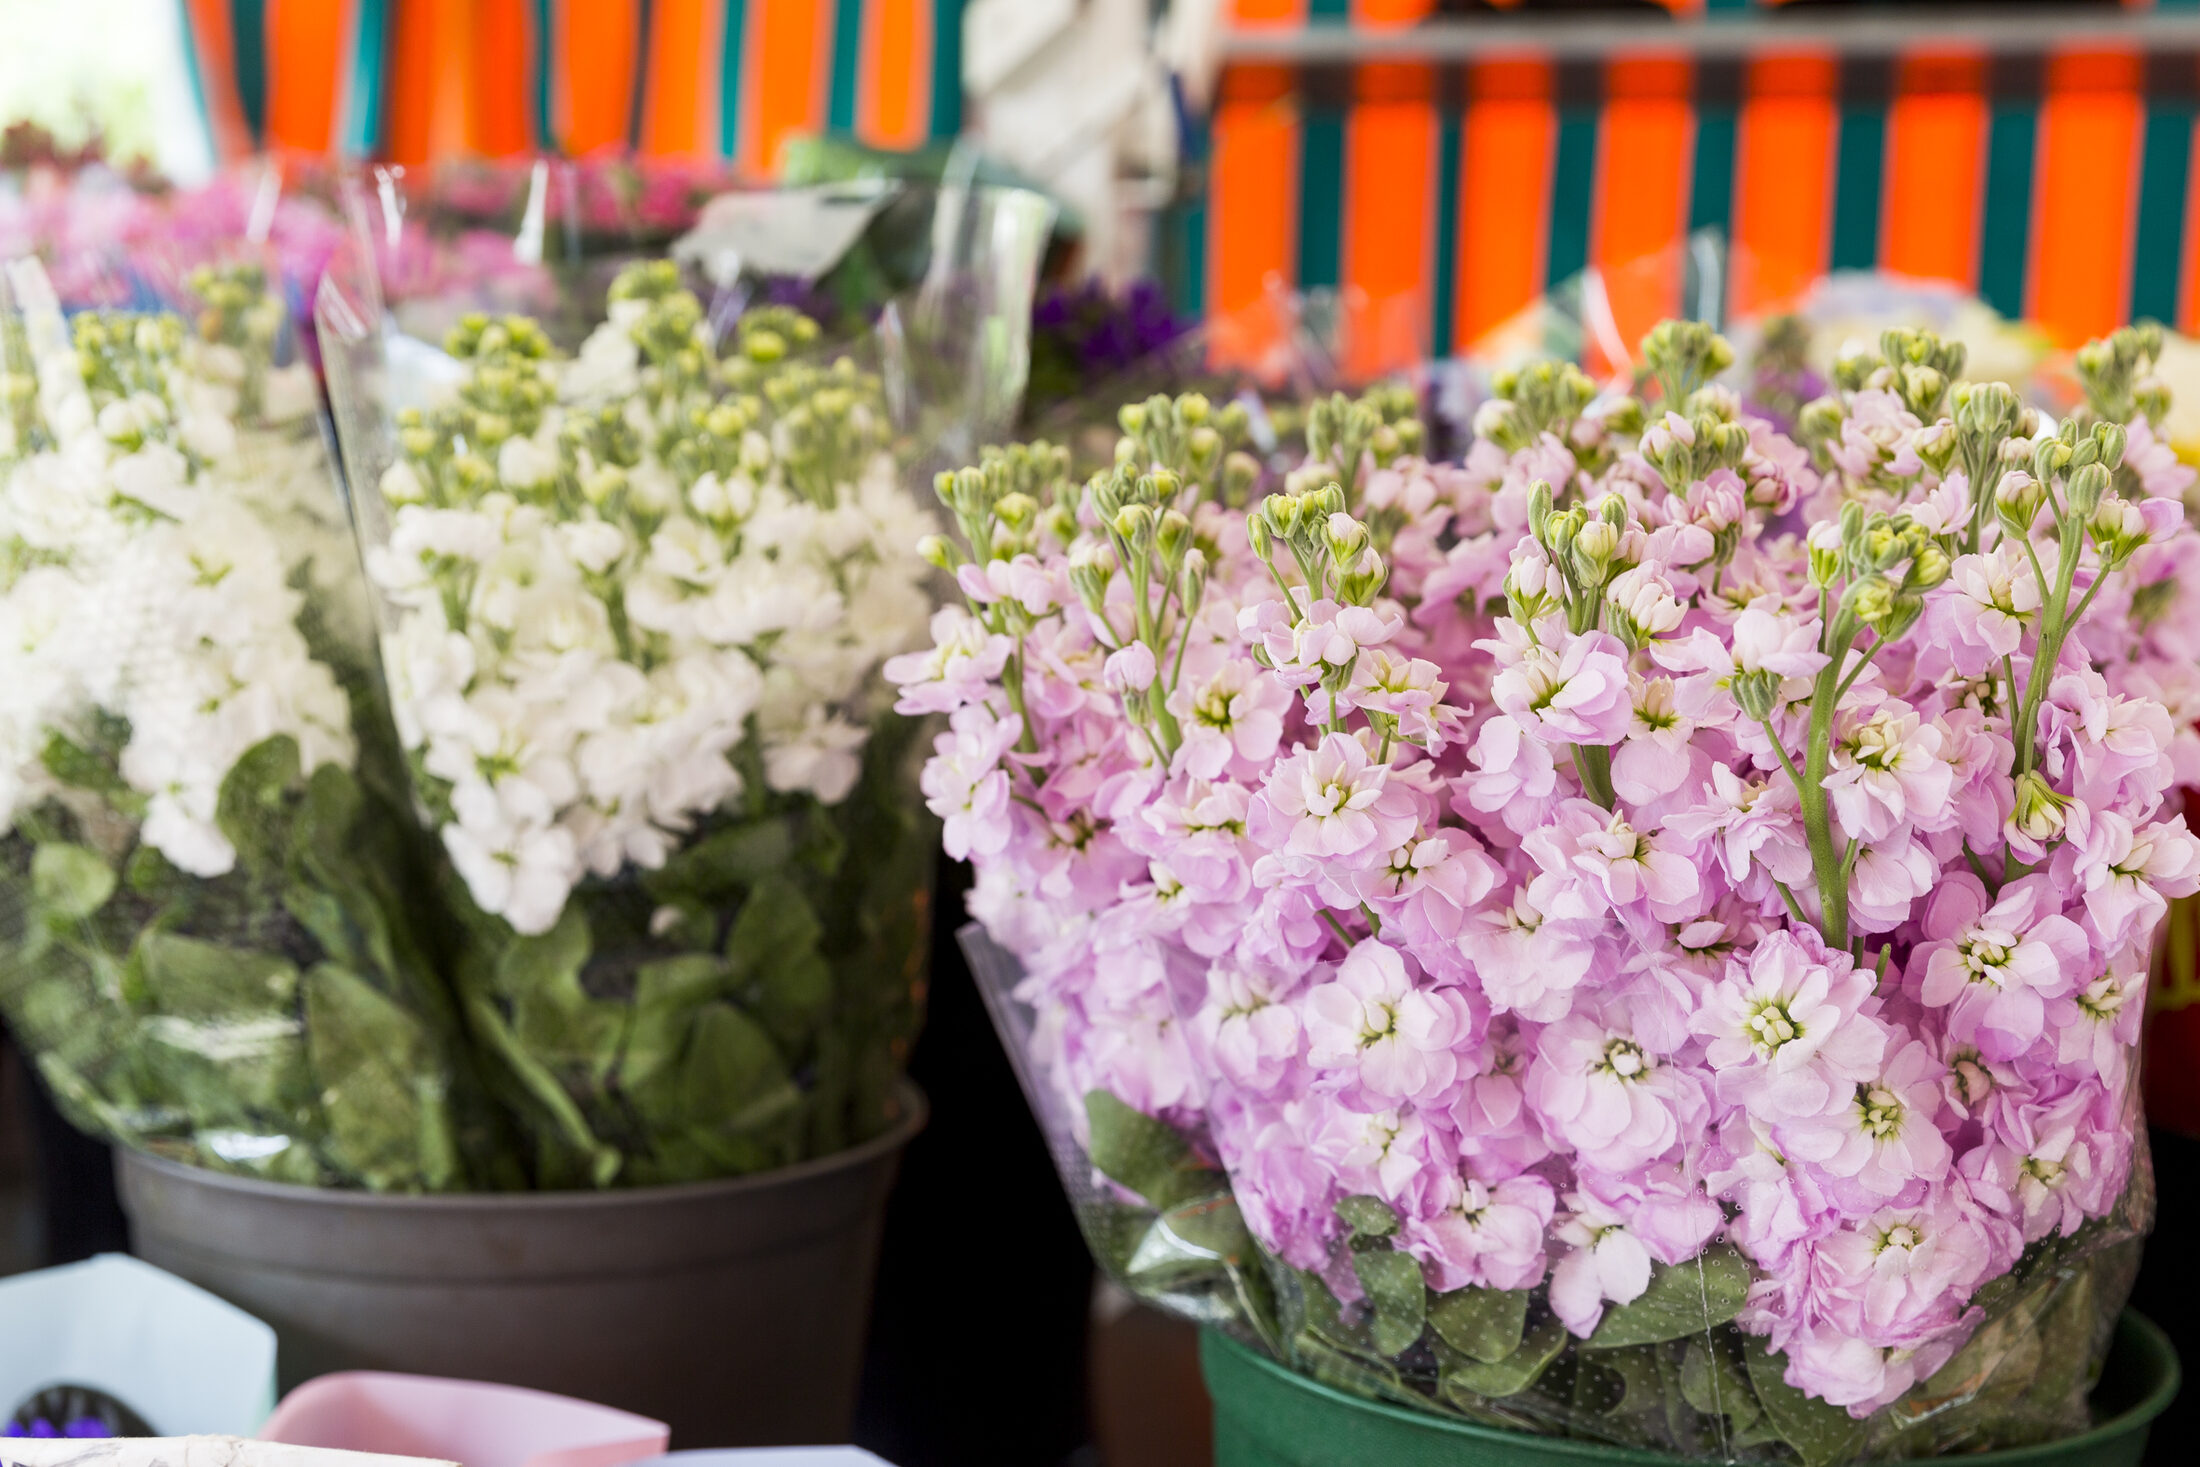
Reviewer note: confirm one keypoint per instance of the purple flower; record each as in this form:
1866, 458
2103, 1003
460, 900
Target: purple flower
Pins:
1618, 1104
965, 785
1594, 862
1529, 964
1885, 1136
1887, 773
1332, 802
1607, 1263
1575, 693
1482, 1234
1788, 1029
1233, 720
958, 669
1994, 968
2127, 872
1247, 1027
1400, 1042
2050, 1165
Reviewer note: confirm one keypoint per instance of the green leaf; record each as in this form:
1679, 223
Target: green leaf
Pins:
1400, 1295
1510, 1376
1146, 1156
251, 808
94, 770
1484, 1323
1683, 1299
71, 882
1203, 1237
1368, 1217
382, 1085
774, 944
724, 862
187, 978
553, 1017
1821, 1434
1714, 1382
733, 1079
667, 994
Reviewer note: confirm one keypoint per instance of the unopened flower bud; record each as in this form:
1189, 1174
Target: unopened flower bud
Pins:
1282, 512
939, 551
1172, 536
1346, 538
1192, 585
2040, 813
1594, 547
1016, 510
1824, 545
2084, 490
1131, 417
1135, 524
1756, 692
2112, 437
2017, 500
1928, 567
1539, 507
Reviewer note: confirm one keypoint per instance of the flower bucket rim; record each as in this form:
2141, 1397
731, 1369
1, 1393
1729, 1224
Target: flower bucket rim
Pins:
916, 1113
2133, 1330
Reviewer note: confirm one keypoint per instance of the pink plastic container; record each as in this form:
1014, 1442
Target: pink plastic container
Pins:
463, 1421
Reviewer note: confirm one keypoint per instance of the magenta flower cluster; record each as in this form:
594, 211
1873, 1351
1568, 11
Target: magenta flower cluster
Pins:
1652, 831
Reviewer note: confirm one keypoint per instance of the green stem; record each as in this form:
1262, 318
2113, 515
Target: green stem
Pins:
1336, 927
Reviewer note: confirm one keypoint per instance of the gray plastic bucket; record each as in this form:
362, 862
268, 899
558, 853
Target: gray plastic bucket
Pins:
734, 1311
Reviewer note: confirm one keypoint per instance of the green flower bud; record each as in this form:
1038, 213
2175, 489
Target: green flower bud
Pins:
1256, 530
939, 551
2112, 438
1756, 693
1192, 409
1192, 584
2082, 492
1539, 507
2040, 812
2017, 501
1173, 536
1240, 472
1131, 417
1346, 539
1282, 512
1135, 524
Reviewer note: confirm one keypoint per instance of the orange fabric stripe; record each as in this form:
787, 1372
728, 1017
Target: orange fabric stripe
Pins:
1936, 141
2188, 298
894, 108
2089, 149
1644, 148
1783, 179
217, 61
1390, 161
672, 111
596, 62
307, 52
1270, 12
502, 122
782, 77
1390, 14
1504, 190
1252, 207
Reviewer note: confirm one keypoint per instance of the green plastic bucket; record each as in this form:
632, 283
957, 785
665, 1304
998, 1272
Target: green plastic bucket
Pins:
1267, 1416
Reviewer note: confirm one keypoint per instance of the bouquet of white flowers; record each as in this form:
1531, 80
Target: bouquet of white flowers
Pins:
207, 939
633, 605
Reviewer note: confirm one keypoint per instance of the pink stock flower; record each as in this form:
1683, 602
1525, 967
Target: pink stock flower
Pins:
958, 669
1576, 693
1333, 802
2049, 1166
965, 785
1843, 1370
1428, 885
1528, 964
2127, 872
1608, 1263
1994, 968
1515, 779
1979, 613
1233, 720
1481, 1234
1594, 862
1789, 1029
1401, 1042
1886, 773
1247, 1026
1614, 1101
1884, 1136
1750, 826
1656, 758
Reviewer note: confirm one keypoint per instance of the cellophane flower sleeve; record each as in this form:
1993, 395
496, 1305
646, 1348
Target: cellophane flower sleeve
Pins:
208, 910
1637, 935
632, 606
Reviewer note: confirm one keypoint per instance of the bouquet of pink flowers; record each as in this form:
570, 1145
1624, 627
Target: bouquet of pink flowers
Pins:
1640, 934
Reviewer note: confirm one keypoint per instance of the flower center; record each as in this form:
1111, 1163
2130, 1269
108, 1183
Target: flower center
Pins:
1771, 1026
1213, 708
2103, 999
2047, 1173
1880, 1111
1986, 952
1974, 1082
1624, 1058
1902, 1235
1380, 1023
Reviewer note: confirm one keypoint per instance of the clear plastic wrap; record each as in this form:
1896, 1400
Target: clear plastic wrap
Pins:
633, 604
214, 946
1541, 941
